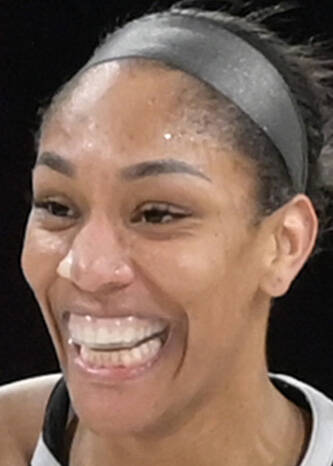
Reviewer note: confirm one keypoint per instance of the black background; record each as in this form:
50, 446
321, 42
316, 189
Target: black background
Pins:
42, 43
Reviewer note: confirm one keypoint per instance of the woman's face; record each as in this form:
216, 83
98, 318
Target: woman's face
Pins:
142, 236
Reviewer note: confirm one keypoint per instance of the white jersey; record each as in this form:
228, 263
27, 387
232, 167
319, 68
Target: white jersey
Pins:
320, 446
50, 451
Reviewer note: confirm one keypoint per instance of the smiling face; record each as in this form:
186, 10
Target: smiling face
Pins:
140, 223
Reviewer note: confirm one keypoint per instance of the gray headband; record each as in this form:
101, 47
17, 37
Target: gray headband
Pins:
220, 58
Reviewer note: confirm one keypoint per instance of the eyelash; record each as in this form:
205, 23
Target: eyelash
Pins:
155, 210
50, 208
158, 210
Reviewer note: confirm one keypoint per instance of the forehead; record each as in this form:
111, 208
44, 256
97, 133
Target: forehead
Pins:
138, 86
141, 92
137, 110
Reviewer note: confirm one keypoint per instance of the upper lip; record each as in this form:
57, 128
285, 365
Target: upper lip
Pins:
110, 312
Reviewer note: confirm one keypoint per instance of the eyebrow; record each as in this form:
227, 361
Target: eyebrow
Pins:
57, 163
161, 167
140, 170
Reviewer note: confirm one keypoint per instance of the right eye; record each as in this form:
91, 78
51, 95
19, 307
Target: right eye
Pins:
54, 208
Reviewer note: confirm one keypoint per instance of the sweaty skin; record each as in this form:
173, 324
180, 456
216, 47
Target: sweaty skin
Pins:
210, 274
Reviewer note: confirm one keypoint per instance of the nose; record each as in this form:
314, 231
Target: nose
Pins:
97, 259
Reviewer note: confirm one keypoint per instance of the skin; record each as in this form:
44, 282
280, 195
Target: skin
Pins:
21, 411
211, 275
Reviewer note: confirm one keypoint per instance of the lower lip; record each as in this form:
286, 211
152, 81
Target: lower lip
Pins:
115, 374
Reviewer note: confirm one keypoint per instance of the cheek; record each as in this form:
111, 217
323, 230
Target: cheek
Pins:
187, 272
42, 252
210, 281
205, 281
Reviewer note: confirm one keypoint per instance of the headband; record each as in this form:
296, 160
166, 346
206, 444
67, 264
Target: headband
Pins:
204, 49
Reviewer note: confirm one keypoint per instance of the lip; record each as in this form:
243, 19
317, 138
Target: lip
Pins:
114, 313
116, 375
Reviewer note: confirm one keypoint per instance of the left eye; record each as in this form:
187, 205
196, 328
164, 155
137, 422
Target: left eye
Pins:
157, 213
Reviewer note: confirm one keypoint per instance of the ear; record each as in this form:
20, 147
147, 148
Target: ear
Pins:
291, 236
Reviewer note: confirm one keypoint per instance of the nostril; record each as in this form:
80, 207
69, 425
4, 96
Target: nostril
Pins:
97, 274
93, 268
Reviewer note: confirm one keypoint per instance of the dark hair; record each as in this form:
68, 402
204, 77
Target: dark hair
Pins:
309, 73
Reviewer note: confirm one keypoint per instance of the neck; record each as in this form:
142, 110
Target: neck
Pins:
240, 434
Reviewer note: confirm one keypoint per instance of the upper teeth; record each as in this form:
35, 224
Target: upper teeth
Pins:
112, 332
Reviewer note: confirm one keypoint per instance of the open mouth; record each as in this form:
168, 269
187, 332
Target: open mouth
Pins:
126, 342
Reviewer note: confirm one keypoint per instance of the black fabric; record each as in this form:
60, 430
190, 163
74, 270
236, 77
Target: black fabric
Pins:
227, 62
55, 421
292, 393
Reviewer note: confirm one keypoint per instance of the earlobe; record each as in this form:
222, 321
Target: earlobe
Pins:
294, 231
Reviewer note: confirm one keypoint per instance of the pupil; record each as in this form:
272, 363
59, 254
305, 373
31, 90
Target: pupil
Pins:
155, 215
58, 209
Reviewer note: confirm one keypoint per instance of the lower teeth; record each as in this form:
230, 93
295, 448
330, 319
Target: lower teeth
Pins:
122, 358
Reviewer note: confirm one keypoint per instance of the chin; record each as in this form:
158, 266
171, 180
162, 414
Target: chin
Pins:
110, 412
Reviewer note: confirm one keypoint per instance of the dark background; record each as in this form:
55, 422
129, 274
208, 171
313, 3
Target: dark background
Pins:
42, 43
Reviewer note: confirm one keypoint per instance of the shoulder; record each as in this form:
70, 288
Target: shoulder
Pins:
22, 407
